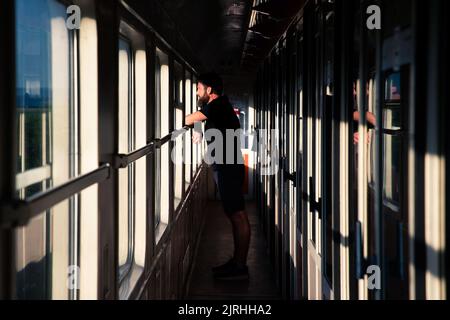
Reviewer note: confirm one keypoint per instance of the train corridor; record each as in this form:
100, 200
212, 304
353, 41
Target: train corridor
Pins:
216, 246
107, 120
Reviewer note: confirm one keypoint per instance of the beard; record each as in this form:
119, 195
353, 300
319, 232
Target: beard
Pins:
203, 101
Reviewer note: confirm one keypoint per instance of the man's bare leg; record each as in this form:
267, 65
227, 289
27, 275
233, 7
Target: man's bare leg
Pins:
241, 236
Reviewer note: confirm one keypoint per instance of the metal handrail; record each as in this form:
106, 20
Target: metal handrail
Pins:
124, 160
20, 212
174, 134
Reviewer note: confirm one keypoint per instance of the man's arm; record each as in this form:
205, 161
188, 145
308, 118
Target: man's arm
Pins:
370, 117
195, 117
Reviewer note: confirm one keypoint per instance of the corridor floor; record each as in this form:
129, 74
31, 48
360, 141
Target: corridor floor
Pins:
216, 247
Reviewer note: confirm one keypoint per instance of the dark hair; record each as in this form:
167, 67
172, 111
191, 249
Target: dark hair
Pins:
213, 80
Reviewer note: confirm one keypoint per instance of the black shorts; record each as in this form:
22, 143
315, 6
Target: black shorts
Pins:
230, 181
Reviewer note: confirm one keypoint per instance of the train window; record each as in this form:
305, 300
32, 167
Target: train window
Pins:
162, 130
45, 255
395, 215
43, 97
392, 127
396, 88
187, 137
57, 113
46, 63
132, 136
125, 216
178, 86
140, 141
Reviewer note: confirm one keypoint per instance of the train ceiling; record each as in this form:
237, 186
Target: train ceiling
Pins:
229, 36
215, 29
269, 20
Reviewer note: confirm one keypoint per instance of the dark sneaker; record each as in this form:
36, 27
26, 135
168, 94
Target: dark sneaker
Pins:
232, 273
223, 266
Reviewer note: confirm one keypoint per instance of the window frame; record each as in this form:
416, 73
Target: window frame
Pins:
161, 222
128, 266
135, 271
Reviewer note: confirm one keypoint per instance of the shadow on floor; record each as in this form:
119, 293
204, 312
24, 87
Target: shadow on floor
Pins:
216, 247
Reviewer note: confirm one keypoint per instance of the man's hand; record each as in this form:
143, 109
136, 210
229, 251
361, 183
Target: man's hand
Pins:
356, 138
197, 137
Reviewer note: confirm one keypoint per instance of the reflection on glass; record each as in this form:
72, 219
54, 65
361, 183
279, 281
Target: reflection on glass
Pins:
392, 140
47, 147
371, 139
392, 117
392, 89
391, 175
43, 263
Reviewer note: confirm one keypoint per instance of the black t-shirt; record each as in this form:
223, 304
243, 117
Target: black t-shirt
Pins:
221, 116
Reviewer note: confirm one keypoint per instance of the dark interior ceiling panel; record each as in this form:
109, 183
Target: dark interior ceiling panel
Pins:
268, 23
280, 9
216, 30
231, 37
